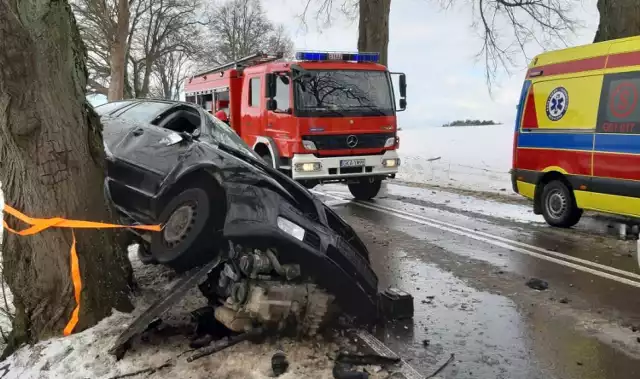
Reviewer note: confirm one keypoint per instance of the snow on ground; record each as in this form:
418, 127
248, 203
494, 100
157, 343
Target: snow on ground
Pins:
84, 355
487, 207
472, 157
515, 212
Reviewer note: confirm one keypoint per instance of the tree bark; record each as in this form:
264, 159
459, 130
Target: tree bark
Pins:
373, 27
118, 53
51, 164
618, 19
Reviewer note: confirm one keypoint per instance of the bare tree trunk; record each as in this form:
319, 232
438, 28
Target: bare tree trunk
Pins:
119, 52
51, 164
373, 25
618, 19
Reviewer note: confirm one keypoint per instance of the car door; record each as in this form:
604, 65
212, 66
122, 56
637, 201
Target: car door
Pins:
148, 152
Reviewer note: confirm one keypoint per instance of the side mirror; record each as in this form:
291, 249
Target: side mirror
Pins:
403, 104
403, 85
272, 104
270, 86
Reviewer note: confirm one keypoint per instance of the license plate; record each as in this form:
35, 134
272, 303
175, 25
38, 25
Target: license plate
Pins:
352, 163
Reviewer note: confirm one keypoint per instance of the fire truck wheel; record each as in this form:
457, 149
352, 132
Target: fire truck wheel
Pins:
365, 189
559, 206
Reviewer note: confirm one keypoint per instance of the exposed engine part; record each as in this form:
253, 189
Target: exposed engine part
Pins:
230, 272
239, 292
291, 271
276, 305
237, 321
274, 261
254, 264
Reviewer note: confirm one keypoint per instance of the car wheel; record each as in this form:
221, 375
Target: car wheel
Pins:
186, 239
559, 205
144, 254
365, 189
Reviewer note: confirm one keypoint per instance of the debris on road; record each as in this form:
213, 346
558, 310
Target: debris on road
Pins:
439, 370
223, 344
564, 300
537, 284
279, 363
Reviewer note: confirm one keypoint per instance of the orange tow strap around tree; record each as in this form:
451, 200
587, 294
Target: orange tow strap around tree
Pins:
40, 224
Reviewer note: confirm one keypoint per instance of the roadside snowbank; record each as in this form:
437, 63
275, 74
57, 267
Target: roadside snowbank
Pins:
473, 157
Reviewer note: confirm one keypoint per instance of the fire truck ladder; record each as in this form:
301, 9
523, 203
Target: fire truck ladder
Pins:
249, 60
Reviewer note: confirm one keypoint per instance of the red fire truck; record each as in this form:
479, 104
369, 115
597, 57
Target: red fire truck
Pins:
323, 117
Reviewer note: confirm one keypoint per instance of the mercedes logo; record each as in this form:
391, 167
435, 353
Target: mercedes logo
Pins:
352, 141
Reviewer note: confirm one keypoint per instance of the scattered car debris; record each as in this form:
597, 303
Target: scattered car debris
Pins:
147, 371
366, 359
253, 334
439, 370
564, 300
537, 284
279, 363
345, 371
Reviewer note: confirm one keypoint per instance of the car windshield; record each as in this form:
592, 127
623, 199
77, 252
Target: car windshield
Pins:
227, 136
363, 91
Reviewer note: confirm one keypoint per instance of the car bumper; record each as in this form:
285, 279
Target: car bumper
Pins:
330, 166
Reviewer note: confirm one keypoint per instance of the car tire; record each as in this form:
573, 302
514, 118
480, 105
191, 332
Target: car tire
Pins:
365, 189
186, 240
559, 206
144, 254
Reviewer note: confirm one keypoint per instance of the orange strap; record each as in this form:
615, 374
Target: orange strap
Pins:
40, 224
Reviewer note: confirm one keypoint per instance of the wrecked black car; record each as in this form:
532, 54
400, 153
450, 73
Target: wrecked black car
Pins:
282, 252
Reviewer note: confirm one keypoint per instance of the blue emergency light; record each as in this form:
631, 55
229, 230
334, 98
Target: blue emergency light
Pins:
346, 57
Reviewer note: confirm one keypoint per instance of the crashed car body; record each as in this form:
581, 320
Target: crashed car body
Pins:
174, 164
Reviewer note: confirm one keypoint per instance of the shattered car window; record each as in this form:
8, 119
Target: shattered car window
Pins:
224, 134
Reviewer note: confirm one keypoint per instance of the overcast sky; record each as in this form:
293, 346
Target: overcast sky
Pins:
436, 49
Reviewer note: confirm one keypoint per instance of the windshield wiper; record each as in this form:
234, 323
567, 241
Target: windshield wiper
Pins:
370, 107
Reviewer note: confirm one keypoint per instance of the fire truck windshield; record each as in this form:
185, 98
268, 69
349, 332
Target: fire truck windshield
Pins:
352, 92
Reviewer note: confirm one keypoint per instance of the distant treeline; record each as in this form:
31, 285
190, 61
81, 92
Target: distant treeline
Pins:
471, 123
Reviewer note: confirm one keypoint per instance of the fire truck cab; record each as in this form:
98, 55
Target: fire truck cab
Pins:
323, 117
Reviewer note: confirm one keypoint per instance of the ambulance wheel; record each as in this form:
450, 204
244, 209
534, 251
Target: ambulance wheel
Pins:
559, 206
365, 189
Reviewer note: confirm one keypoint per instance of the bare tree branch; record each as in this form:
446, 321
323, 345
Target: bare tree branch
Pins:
239, 28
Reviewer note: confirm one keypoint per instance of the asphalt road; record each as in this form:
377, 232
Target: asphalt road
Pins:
467, 273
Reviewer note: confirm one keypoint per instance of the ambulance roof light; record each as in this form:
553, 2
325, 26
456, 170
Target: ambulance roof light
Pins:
337, 56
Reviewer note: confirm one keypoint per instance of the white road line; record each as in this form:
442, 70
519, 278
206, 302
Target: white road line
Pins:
506, 243
506, 240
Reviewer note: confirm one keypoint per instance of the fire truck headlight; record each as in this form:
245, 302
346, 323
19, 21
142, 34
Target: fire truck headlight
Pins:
309, 145
390, 163
390, 142
308, 167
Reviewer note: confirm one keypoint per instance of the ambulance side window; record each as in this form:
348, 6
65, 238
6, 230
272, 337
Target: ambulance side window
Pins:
620, 104
283, 94
254, 92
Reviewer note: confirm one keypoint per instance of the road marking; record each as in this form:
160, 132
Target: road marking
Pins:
506, 243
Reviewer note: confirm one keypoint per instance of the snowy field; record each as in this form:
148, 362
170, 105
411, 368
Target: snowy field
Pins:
473, 157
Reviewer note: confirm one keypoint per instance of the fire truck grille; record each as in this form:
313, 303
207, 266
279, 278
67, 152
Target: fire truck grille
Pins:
346, 141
